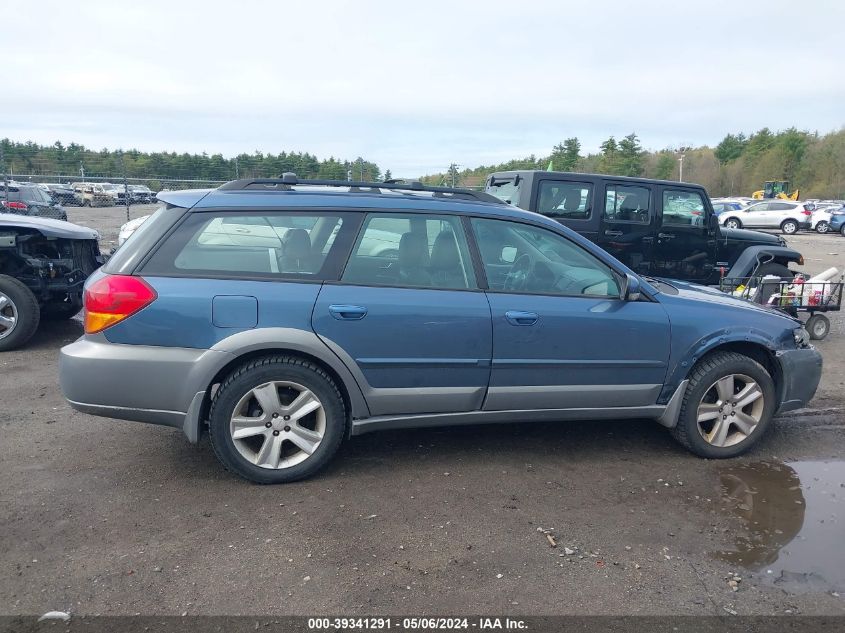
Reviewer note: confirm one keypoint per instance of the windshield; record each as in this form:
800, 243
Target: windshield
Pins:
504, 189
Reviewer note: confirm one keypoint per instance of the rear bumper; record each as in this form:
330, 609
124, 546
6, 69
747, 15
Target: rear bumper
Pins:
158, 385
801, 370
805, 225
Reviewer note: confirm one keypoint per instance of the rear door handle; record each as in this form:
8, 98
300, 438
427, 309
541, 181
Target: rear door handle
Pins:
515, 317
666, 236
347, 313
613, 233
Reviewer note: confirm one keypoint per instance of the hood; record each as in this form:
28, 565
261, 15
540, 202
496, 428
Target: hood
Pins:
745, 235
48, 227
707, 294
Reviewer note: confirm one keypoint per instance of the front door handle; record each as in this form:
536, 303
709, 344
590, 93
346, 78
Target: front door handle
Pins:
347, 313
613, 233
666, 236
516, 317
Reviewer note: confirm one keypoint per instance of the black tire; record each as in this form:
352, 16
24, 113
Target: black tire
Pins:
733, 223
28, 314
818, 326
822, 227
258, 372
771, 268
60, 311
842, 230
789, 227
705, 373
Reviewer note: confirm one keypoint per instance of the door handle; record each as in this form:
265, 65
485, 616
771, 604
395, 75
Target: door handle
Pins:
666, 236
613, 233
516, 317
347, 313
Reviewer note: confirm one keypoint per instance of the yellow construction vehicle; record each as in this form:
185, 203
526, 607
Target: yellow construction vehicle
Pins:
775, 189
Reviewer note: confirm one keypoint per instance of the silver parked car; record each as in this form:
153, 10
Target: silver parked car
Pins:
787, 215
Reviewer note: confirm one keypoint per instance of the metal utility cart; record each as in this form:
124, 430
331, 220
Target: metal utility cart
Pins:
793, 297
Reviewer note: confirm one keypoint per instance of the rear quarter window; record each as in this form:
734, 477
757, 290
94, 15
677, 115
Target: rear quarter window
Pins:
253, 245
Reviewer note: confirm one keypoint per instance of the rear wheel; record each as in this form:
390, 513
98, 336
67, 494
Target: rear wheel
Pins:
19, 313
728, 404
790, 227
733, 223
277, 419
822, 227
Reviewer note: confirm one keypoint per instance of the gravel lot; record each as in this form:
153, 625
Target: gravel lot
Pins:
112, 517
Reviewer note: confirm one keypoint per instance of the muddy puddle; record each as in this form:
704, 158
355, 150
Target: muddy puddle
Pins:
790, 520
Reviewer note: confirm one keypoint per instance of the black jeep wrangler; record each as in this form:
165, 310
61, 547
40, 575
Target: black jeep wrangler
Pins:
656, 227
43, 266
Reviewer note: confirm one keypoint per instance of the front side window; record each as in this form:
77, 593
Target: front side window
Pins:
565, 200
526, 259
255, 244
626, 203
684, 208
411, 250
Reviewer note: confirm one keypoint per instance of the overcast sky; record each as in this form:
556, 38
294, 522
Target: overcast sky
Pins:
415, 86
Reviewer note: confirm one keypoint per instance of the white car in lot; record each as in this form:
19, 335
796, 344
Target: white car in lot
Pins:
787, 215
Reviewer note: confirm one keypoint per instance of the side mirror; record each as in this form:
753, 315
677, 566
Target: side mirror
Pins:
630, 288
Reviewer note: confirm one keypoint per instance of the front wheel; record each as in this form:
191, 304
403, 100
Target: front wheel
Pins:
728, 404
822, 227
277, 419
19, 313
790, 227
733, 223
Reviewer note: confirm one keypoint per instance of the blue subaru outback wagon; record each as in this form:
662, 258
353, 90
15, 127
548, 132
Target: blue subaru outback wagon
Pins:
284, 316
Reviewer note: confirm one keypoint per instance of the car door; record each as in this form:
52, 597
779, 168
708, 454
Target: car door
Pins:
562, 337
627, 224
757, 215
780, 211
408, 318
686, 243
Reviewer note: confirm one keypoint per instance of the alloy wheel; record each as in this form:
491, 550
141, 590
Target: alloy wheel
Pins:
822, 227
277, 424
8, 315
730, 410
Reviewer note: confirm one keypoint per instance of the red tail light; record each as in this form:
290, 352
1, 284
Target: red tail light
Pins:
14, 205
807, 212
113, 298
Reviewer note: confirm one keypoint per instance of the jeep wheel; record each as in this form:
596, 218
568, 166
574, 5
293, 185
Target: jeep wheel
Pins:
772, 268
277, 419
728, 404
822, 227
60, 311
790, 227
19, 313
733, 223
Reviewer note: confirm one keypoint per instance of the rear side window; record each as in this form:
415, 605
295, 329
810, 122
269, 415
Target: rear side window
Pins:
420, 251
627, 203
564, 200
682, 208
250, 245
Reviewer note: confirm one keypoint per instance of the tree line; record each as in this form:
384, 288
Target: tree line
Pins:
73, 160
738, 165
